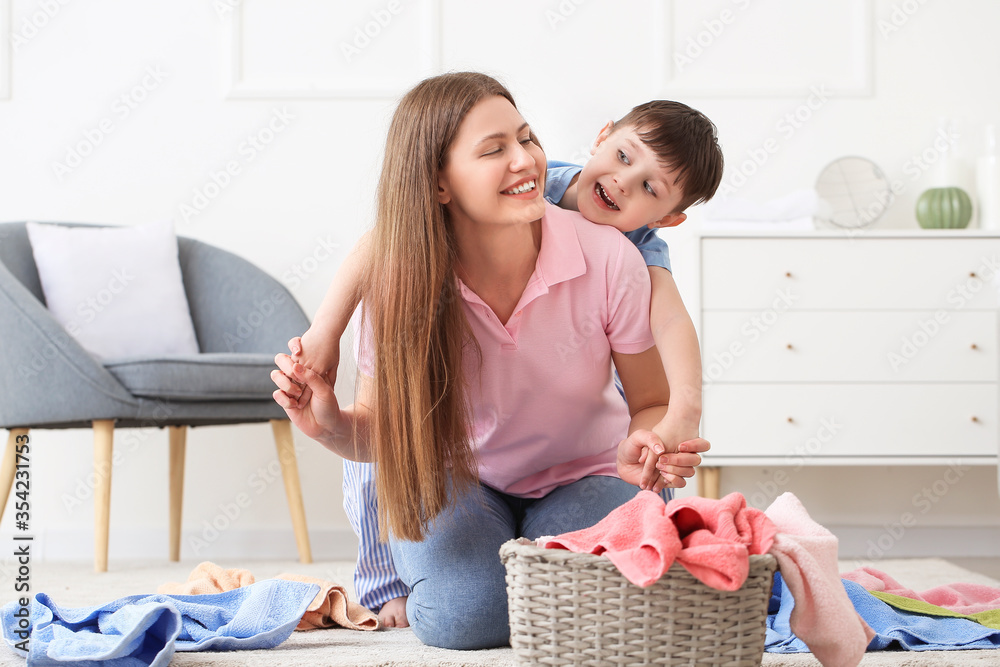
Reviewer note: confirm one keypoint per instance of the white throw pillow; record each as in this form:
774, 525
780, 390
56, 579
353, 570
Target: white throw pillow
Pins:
117, 290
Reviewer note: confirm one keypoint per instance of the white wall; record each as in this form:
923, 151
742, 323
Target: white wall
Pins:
162, 96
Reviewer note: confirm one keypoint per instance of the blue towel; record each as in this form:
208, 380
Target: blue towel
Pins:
147, 629
894, 628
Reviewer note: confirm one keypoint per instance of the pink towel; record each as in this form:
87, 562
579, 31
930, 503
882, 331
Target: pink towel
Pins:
960, 598
711, 538
638, 537
823, 616
717, 536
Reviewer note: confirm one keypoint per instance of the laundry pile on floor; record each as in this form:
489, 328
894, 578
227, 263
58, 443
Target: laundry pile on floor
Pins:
812, 608
215, 609
331, 607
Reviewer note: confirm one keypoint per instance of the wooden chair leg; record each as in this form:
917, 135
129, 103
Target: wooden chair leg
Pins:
104, 437
293, 489
7, 469
708, 481
178, 449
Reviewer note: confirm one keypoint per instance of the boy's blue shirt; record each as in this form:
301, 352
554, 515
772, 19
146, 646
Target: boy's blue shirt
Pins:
557, 179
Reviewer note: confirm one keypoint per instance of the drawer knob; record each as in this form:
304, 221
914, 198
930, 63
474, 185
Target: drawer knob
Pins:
788, 274
972, 274
792, 421
975, 347
789, 346
975, 419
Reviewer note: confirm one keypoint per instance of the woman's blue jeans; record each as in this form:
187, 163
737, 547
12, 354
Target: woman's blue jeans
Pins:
458, 597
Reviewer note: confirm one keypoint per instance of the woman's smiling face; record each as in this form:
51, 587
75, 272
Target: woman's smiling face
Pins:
493, 172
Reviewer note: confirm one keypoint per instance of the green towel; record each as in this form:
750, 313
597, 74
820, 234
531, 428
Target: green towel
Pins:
989, 618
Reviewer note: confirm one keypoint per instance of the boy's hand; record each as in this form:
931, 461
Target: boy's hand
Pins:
322, 359
637, 458
307, 398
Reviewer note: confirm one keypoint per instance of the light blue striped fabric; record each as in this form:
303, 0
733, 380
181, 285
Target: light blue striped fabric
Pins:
375, 578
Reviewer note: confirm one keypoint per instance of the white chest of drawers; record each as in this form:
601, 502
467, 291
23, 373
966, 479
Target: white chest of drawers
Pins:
819, 348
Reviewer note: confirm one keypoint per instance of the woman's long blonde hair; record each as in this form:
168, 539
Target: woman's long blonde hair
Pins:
421, 423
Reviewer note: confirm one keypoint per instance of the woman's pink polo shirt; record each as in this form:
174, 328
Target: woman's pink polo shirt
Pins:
544, 406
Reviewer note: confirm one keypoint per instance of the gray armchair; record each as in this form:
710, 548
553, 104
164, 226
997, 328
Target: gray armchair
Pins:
242, 318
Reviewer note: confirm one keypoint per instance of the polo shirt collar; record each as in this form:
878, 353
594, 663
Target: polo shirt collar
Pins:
561, 257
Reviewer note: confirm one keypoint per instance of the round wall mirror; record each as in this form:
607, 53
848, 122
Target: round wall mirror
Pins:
853, 193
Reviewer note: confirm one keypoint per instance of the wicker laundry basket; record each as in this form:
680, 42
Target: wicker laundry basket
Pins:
577, 609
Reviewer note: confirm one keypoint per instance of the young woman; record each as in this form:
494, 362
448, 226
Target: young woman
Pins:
485, 396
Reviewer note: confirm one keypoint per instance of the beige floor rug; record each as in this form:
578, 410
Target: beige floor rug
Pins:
77, 585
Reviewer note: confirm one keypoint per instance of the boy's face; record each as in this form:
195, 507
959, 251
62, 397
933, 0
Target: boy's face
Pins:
624, 185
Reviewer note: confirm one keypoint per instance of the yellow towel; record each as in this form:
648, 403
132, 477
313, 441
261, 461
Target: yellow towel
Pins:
206, 579
329, 608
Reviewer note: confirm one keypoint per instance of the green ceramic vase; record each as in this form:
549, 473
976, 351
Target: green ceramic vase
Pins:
944, 208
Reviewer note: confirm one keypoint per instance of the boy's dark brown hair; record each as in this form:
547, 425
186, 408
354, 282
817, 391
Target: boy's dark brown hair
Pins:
683, 139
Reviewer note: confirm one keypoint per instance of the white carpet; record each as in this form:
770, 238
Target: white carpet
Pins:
78, 585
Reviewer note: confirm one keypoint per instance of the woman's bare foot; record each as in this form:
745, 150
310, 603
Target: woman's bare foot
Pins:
393, 613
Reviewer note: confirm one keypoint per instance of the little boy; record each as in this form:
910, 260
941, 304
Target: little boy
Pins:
646, 169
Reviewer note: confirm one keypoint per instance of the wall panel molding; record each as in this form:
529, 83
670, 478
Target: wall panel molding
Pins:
350, 61
6, 26
594, 54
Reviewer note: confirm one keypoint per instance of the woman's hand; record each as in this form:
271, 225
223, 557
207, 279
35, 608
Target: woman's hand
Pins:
644, 461
307, 398
637, 458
